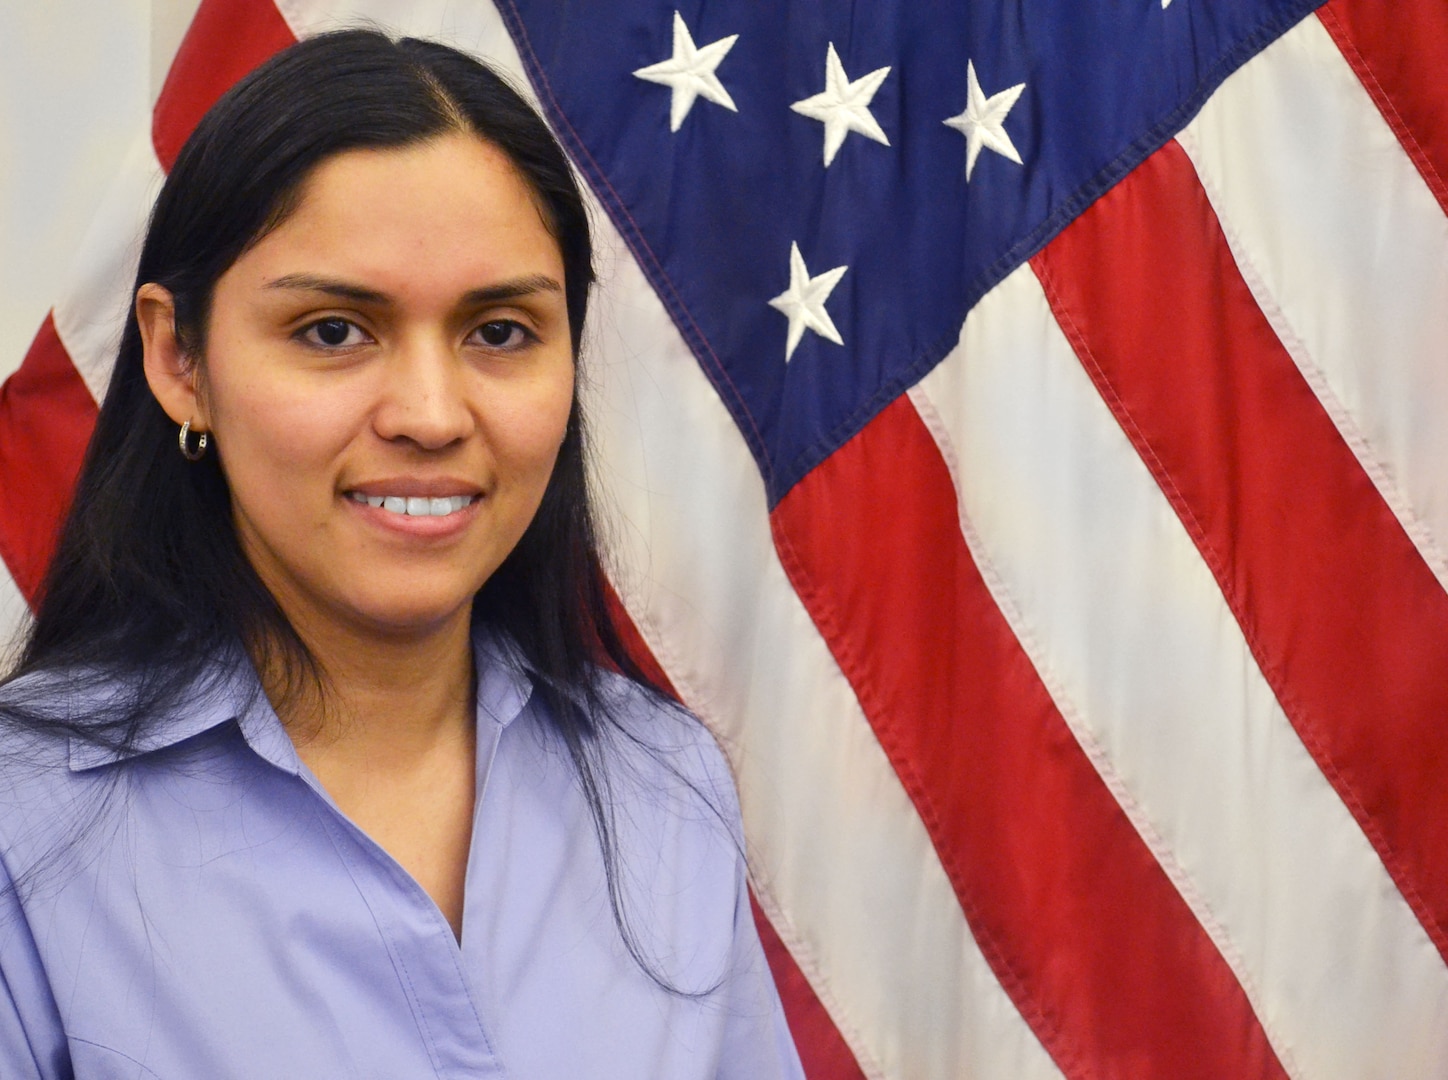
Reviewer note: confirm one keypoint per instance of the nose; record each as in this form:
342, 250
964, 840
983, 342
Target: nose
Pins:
423, 398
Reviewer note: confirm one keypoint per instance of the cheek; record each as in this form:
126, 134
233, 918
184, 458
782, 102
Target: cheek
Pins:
532, 430
261, 429
552, 432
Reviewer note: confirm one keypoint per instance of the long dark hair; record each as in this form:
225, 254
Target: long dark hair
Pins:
149, 584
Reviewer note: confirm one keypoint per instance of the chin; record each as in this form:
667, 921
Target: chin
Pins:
412, 619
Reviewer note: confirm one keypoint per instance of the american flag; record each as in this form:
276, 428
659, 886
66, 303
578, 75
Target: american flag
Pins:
1024, 431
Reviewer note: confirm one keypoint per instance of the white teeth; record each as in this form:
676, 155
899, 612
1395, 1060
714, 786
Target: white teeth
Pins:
413, 506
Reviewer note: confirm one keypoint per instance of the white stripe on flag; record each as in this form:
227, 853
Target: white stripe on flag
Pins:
1130, 633
1346, 251
97, 299
471, 25
890, 953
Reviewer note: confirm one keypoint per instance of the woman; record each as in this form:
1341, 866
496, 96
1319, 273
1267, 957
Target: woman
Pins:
311, 766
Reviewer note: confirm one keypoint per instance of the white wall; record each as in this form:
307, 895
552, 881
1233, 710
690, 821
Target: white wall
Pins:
75, 87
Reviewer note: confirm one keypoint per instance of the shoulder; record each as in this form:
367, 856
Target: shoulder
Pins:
65, 735
47, 809
642, 715
632, 736
39, 712
645, 762
661, 744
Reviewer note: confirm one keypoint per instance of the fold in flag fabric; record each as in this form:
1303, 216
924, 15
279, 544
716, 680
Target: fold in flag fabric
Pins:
1022, 430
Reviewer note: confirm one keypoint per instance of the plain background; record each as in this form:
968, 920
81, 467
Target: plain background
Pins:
77, 78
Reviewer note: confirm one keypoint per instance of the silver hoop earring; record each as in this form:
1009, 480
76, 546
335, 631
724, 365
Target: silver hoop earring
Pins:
186, 451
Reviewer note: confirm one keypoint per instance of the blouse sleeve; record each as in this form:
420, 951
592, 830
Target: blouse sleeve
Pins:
32, 1039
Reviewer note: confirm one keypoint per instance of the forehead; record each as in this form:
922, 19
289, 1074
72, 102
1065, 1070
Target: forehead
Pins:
454, 205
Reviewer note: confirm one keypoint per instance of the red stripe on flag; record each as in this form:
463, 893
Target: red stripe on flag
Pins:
1345, 619
46, 418
822, 1050
1399, 51
226, 39
1085, 932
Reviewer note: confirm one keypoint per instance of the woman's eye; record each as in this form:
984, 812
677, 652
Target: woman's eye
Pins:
501, 334
333, 333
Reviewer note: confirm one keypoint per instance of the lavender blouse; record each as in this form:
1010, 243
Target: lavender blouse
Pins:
202, 909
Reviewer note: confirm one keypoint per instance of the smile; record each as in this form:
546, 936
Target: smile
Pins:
413, 506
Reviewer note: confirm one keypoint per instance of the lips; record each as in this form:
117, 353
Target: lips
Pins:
415, 505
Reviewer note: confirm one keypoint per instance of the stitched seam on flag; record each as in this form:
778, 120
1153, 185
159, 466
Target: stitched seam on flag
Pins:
1107, 177
1123, 417
803, 955
1159, 472
1095, 752
1378, 469
633, 236
1041, 1021
1301, 718
805, 958
1415, 150
1032, 242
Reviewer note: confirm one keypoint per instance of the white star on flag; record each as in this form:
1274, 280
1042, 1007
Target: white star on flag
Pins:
983, 121
844, 106
804, 302
690, 73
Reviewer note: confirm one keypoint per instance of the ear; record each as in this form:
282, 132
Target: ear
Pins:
172, 375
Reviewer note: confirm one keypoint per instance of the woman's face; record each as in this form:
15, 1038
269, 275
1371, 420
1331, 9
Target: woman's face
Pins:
388, 377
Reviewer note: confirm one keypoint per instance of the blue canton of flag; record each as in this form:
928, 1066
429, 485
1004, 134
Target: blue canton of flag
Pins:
871, 169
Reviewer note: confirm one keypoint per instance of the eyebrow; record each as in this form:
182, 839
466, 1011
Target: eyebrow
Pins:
346, 290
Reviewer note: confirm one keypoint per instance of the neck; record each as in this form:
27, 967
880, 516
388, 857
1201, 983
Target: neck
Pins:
383, 697
391, 736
